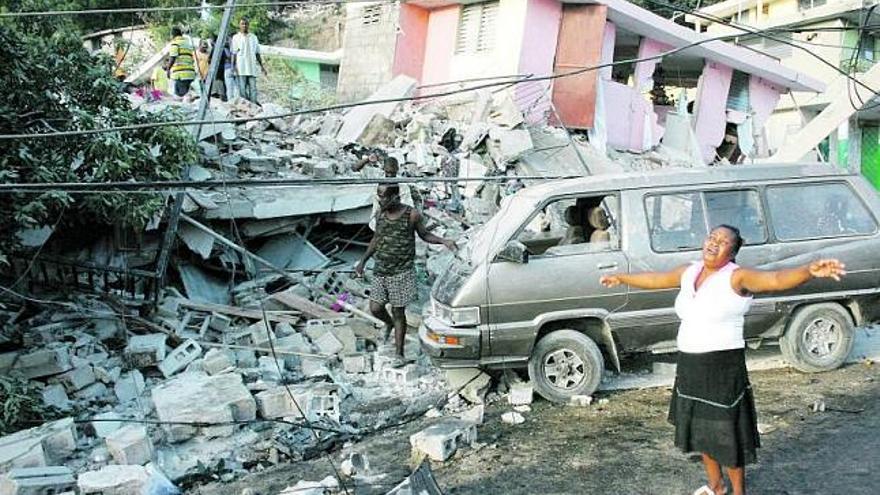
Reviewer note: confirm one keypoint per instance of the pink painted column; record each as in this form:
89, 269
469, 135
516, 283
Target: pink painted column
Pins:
645, 70
439, 45
536, 57
763, 98
409, 53
711, 108
608, 42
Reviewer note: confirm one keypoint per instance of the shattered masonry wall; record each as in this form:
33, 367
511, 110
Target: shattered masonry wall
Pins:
369, 49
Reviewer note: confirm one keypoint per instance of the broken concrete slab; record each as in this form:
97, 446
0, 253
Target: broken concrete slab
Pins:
196, 240
38, 481
104, 425
378, 132
277, 402
55, 396
47, 444
292, 251
438, 442
51, 360
201, 286
471, 383
217, 361
197, 397
125, 480
130, 445
78, 378
145, 350
506, 145
357, 119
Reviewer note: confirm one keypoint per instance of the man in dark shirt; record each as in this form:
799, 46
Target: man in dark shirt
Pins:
394, 247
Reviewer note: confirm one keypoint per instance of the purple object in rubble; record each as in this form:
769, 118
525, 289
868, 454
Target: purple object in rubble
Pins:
341, 299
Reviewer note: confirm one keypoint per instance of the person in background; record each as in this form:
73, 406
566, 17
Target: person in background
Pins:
203, 62
181, 64
394, 248
226, 73
159, 77
449, 165
245, 57
712, 407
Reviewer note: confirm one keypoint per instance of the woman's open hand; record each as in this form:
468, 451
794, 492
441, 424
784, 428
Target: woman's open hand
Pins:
610, 280
827, 268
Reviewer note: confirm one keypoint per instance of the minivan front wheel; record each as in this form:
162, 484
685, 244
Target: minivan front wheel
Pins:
818, 338
565, 363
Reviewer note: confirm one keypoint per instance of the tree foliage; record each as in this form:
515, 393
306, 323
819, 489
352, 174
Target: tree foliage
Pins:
51, 83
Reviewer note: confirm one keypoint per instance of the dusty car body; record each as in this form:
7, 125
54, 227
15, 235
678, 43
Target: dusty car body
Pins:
527, 292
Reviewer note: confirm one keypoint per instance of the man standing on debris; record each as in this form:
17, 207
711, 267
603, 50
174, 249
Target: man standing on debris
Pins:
449, 165
408, 194
245, 57
181, 68
394, 247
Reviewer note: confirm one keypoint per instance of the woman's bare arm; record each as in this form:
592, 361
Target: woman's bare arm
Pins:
646, 280
756, 281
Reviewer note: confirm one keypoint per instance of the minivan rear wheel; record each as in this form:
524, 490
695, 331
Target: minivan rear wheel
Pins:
565, 363
818, 338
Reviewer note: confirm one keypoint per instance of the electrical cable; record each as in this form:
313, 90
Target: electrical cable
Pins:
344, 106
136, 10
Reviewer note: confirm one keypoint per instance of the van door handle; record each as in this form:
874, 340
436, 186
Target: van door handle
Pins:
607, 266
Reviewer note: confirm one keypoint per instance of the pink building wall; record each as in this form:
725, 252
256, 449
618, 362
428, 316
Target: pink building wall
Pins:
536, 57
763, 97
609, 39
711, 108
409, 52
439, 45
645, 70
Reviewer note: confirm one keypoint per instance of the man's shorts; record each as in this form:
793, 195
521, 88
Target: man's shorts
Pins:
398, 290
181, 86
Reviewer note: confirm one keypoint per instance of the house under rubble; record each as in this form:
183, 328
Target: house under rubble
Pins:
697, 99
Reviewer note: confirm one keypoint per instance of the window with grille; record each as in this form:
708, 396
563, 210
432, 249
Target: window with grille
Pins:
372, 14
476, 28
810, 4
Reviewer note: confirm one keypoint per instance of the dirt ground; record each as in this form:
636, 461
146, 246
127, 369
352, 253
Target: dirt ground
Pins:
624, 445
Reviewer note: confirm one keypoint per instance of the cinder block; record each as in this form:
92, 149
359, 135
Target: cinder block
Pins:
521, 393
357, 363
129, 386
218, 360
260, 334
441, 440
78, 378
219, 322
55, 396
404, 376
38, 481
325, 402
269, 368
180, 357
145, 350
130, 445
49, 361
277, 403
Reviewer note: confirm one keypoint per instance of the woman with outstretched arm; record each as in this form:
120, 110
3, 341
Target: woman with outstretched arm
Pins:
712, 407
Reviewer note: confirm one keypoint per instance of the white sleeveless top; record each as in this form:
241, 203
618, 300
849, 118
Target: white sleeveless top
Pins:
711, 317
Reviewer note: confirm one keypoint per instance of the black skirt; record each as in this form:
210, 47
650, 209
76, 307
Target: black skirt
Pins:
713, 409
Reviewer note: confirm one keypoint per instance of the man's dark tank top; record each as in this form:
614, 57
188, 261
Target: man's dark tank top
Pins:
396, 244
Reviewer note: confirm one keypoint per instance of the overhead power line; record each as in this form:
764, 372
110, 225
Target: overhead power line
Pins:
525, 78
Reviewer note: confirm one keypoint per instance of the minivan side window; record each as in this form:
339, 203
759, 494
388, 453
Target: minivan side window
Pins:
812, 211
573, 226
740, 209
675, 221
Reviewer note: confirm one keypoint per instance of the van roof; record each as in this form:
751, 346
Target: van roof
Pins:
683, 177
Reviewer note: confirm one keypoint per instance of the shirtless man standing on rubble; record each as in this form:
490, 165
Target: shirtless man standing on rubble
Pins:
394, 277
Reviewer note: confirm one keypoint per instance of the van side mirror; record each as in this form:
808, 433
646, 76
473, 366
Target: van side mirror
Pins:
515, 252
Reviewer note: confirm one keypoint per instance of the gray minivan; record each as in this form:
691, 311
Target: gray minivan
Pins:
527, 292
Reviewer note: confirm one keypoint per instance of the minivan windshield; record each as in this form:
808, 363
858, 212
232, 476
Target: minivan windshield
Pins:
486, 240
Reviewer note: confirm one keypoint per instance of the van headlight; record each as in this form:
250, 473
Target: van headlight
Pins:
456, 317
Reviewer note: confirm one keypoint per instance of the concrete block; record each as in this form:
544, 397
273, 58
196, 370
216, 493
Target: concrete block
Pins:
325, 402
323, 170
277, 403
51, 360
219, 322
180, 357
104, 427
521, 393
441, 440
405, 376
94, 391
512, 418
199, 397
115, 480
581, 400
129, 386
145, 350
169, 307
78, 378
46, 444
38, 481
260, 334
313, 366
218, 360
321, 334
474, 415
357, 363
269, 368
107, 376
471, 383
130, 445
55, 396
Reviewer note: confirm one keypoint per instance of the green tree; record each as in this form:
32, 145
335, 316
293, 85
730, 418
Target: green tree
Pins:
51, 83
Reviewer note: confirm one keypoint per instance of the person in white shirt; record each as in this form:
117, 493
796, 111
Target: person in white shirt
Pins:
712, 406
245, 57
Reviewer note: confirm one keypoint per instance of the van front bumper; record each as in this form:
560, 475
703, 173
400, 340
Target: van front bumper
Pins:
466, 353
